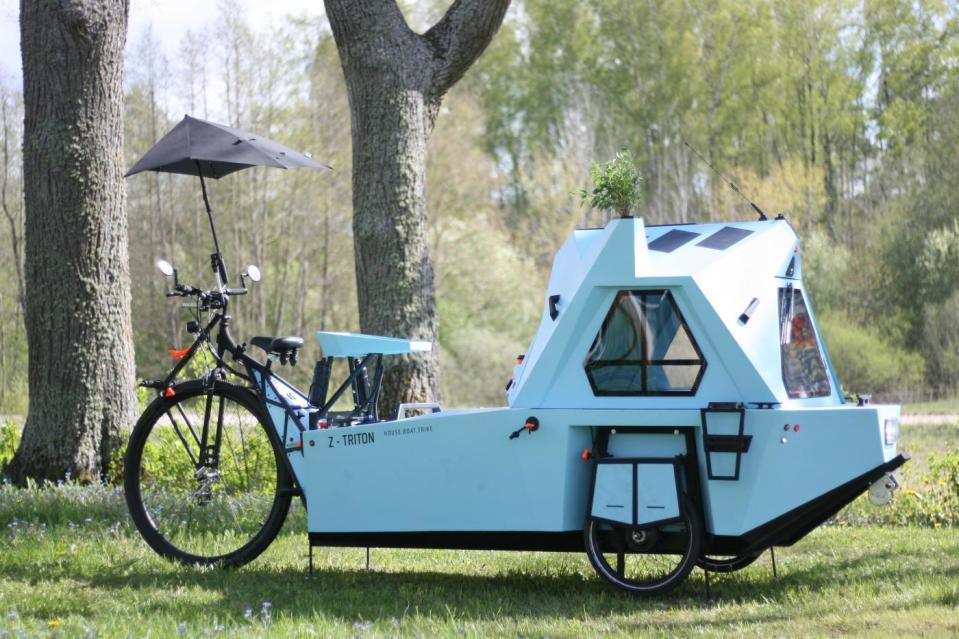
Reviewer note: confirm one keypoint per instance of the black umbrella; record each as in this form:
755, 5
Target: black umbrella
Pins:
207, 149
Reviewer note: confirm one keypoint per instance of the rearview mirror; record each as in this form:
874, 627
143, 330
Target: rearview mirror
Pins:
166, 268
253, 273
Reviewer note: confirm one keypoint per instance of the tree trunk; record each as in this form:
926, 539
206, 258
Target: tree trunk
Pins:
396, 80
81, 370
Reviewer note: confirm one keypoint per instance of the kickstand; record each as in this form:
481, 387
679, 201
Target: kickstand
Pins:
367, 559
310, 575
772, 553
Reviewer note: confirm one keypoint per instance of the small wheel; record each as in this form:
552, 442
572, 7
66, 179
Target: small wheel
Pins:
204, 481
727, 563
646, 561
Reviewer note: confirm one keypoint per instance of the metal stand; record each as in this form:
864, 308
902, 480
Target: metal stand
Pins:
772, 553
709, 592
310, 575
367, 559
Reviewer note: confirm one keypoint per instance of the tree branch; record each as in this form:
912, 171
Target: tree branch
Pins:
353, 22
460, 37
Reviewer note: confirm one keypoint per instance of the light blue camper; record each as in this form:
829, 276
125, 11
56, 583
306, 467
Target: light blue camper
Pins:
676, 407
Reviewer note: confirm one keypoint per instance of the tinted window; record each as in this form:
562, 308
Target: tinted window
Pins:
804, 372
644, 348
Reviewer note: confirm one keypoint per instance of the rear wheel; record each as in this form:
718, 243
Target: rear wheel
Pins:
649, 560
204, 481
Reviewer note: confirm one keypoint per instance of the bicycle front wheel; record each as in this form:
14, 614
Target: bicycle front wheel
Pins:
204, 481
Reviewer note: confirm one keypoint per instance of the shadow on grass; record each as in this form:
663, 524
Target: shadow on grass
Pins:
572, 593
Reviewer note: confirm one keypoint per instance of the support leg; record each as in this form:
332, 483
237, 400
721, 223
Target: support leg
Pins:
709, 592
772, 553
367, 559
310, 576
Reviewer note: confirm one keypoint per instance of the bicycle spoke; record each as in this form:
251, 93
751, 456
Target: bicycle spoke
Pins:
186, 446
188, 424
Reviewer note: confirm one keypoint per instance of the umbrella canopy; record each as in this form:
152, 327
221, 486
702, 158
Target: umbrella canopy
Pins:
208, 149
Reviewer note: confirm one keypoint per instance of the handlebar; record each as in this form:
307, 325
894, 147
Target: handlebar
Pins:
207, 299
185, 290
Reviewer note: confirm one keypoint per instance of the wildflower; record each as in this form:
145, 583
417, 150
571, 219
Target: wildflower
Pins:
181, 629
361, 626
248, 613
54, 623
12, 615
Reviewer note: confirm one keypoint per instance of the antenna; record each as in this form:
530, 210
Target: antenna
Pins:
732, 185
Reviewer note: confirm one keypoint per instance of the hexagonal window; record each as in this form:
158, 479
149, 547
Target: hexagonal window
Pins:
644, 348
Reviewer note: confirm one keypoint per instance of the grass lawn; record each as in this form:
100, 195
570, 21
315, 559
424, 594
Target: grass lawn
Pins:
71, 566
81, 581
938, 407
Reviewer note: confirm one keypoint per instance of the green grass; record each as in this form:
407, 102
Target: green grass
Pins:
71, 581
938, 407
72, 566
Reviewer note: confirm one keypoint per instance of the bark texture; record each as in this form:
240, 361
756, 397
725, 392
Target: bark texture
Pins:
396, 80
81, 370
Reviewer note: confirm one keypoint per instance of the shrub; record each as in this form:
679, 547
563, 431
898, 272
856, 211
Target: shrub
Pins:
9, 440
932, 500
940, 343
866, 361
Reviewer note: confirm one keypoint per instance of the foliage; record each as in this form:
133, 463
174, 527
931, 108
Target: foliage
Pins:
935, 502
865, 361
9, 440
932, 500
616, 185
940, 343
929, 491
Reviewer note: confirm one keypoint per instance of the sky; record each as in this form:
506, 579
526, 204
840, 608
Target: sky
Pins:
170, 19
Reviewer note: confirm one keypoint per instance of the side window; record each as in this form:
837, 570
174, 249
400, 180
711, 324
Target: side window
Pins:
804, 372
644, 348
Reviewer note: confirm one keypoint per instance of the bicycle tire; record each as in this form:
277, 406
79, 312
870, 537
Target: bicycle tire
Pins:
690, 549
144, 437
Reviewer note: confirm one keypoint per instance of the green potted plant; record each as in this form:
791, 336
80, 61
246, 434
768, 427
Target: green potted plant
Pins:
616, 185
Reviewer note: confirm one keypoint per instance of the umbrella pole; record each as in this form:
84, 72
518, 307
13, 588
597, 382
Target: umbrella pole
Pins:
218, 266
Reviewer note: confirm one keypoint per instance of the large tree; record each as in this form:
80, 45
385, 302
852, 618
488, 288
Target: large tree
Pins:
81, 371
396, 79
